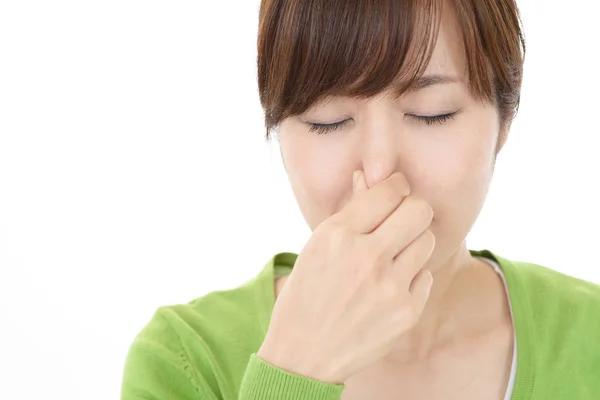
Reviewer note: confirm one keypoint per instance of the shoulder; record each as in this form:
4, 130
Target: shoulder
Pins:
553, 299
548, 290
541, 287
557, 322
235, 317
552, 303
565, 309
204, 344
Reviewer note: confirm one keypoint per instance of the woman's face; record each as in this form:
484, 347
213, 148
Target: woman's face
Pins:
449, 163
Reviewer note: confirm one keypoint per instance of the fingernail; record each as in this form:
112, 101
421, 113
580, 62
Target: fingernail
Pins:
354, 179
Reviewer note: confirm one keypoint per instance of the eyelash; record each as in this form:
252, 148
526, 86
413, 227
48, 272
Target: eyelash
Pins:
322, 129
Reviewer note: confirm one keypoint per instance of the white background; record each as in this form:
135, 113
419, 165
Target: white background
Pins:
134, 174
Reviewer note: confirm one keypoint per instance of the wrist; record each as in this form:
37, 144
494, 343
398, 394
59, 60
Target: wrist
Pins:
297, 364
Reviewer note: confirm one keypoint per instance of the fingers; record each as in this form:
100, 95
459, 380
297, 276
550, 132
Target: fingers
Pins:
420, 290
409, 263
360, 184
405, 224
370, 206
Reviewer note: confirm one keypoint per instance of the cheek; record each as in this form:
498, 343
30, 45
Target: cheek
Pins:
451, 168
462, 164
320, 174
458, 182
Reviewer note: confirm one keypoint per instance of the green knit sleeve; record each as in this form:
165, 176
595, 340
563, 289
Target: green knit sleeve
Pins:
157, 368
263, 381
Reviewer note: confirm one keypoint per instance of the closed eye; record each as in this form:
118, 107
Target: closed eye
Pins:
322, 129
434, 119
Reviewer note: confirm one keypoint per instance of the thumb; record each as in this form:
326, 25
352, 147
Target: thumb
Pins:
359, 184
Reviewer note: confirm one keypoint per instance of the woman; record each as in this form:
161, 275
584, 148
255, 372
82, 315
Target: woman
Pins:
390, 115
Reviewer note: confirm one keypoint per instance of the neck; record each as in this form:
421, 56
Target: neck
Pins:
459, 284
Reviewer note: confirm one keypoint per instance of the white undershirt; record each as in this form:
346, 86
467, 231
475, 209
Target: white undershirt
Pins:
513, 369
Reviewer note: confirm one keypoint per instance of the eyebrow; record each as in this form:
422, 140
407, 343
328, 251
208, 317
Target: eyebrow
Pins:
430, 80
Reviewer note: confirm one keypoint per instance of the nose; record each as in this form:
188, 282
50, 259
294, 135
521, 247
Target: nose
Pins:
379, 151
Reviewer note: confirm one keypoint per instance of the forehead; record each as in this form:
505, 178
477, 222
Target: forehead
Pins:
448, 57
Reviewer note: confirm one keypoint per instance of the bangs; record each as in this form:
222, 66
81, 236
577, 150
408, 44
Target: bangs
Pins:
309, 50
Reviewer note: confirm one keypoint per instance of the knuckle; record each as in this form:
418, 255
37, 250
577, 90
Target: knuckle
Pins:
338, 234
378, 248
380, 257
371, 262
428, 239
391, 195
421, 209
422, 248
394, 228
369, 254
395, 189
406, 315
389, 289
401, 184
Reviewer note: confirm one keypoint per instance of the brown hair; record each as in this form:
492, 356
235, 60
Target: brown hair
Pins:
312, 49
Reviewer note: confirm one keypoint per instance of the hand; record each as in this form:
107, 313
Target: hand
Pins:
356, 286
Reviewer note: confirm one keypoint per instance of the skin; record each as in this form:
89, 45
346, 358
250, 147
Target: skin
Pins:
450, 165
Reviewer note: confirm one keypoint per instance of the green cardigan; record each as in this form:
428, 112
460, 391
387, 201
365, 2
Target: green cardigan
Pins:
206, 349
